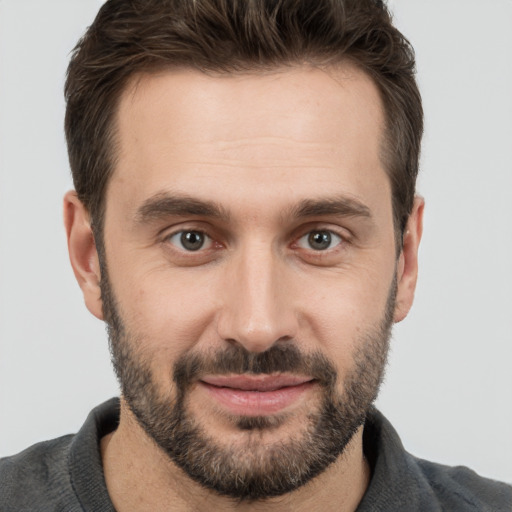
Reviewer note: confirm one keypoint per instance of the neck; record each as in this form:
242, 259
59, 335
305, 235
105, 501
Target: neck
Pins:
139, 476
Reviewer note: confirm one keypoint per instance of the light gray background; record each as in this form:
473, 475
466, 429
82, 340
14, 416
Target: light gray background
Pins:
448, 387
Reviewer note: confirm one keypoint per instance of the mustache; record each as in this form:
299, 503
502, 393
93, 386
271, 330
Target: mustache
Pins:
237, 360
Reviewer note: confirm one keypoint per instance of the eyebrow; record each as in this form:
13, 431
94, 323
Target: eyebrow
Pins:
340, 206
163, 205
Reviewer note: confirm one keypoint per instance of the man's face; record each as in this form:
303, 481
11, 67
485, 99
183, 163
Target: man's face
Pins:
251, 265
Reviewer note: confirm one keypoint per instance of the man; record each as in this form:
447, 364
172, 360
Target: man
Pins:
245, 222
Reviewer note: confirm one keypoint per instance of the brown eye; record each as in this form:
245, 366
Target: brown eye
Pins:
190, 240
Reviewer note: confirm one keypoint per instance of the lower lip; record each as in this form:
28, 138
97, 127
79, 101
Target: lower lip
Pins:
256, 403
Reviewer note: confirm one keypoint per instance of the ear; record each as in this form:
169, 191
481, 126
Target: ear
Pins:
82, 252
407, 270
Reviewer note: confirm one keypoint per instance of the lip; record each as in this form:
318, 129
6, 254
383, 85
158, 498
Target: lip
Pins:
256, 395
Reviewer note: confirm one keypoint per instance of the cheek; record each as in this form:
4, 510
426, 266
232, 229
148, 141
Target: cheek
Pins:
169, 312
343, 312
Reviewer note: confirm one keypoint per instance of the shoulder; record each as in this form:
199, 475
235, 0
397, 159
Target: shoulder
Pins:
37, 478
62, 475
460, 488
402, 482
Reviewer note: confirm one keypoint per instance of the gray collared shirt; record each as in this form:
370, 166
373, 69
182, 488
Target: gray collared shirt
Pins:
66, 475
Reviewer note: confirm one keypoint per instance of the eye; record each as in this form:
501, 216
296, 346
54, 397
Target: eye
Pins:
319, 240
190, 240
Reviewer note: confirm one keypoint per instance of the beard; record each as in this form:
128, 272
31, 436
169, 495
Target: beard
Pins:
252, 471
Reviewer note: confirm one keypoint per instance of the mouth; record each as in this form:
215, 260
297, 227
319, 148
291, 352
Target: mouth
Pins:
256, 395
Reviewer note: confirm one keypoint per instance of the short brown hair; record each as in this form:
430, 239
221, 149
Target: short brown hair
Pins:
233, 36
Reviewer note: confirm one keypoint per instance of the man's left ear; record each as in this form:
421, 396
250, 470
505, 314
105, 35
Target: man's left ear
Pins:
407, 269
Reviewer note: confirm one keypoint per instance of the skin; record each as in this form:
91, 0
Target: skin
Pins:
258, 145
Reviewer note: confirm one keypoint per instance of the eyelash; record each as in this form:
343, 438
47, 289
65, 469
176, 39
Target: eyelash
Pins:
330, 237
183, 232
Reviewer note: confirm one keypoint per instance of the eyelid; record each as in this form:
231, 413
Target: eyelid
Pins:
344, 235
305, 229
337, 240
167, 238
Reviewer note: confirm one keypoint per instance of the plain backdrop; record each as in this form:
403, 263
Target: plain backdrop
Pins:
448, 389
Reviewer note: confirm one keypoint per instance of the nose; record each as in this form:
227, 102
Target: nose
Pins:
257, 310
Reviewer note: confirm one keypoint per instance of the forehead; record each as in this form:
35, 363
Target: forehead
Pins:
320, 97
308, 126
